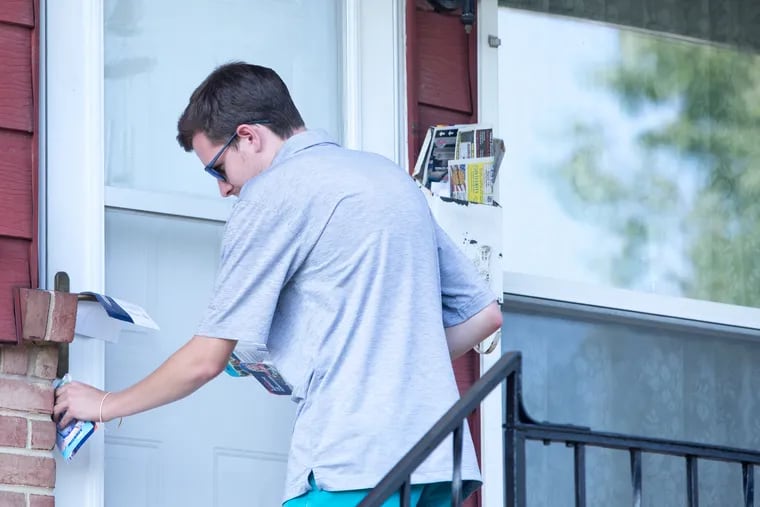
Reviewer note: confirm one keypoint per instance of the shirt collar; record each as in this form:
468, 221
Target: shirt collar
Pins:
299, 142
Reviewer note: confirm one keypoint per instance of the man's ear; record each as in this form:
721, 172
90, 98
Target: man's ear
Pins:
251, 135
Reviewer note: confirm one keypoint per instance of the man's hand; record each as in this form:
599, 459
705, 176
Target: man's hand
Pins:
77, 401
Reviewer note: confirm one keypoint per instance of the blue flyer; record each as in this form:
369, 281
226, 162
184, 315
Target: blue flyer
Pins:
70, 438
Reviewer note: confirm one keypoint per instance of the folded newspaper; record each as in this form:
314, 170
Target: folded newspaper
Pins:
70, 438
472, 180
254, 360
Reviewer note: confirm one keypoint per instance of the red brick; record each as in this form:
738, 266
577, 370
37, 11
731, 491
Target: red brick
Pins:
64, 318
47, 315
45, 361
15, 359
41, 501
43, 435
18, 470
34, 305
18, 394
8, 499
13, 431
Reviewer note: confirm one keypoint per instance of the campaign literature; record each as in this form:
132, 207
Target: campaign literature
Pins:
70, 438
254, 360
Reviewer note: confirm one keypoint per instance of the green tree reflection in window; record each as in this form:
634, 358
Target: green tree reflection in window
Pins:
697, 170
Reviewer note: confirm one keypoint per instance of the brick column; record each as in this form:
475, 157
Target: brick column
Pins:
27, 433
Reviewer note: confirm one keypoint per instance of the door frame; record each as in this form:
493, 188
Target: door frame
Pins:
71, 166
72, 163
491, 432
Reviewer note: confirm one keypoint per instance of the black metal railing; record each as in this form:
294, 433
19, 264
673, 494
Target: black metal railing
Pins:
452, 422
520, 427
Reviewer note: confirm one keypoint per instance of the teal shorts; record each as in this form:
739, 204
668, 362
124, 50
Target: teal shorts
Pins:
423, 495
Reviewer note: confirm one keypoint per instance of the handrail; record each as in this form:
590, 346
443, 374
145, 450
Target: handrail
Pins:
520, 427
399, 477
579, 439
574, 435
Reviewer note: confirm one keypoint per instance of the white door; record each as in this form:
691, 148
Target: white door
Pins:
226, 444
128, 212
229, 436
150, 220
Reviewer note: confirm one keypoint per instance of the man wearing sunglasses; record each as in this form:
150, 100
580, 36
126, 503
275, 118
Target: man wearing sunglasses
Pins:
332, 261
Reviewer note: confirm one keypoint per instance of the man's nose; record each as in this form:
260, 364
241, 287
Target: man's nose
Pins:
225, 189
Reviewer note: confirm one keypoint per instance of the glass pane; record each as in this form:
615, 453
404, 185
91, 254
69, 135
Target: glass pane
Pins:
635, 379
156, 53
633, 159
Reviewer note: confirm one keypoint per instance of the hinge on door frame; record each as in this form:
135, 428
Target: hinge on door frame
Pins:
494, 41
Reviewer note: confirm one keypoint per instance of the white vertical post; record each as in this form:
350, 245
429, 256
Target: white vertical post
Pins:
73, 169
352, 92
378, 84
491, 438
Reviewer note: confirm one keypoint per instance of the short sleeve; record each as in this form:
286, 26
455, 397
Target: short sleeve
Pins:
261, 250
463, 291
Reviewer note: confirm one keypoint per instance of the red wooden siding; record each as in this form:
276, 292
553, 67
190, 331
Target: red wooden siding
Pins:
15, 184
441, 72
442, 45
16, 79
14, 272
441, 81
19, 59
19, 12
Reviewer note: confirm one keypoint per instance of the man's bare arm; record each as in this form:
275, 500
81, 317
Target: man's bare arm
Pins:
474, 330
198, 361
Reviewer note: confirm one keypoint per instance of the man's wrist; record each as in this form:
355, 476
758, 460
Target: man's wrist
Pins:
108, 410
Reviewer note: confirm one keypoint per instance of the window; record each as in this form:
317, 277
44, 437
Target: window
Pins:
633, 160
631, 182
635, 377
156, 53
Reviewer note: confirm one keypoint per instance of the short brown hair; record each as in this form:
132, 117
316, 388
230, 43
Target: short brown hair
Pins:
234, 94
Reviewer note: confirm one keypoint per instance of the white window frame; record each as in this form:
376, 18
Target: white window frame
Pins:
743, 319
74, 198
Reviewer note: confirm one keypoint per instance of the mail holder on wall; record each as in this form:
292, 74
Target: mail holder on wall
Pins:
55, 316
45, 315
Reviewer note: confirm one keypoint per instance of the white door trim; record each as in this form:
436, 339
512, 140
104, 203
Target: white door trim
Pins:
72, 168
73, 163
491, 434
374, 66
162, 203
352, 92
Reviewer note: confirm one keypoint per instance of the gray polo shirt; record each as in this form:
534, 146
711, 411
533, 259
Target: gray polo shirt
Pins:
332, 259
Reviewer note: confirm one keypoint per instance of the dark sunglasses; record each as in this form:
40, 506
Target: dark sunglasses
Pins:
216, 173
